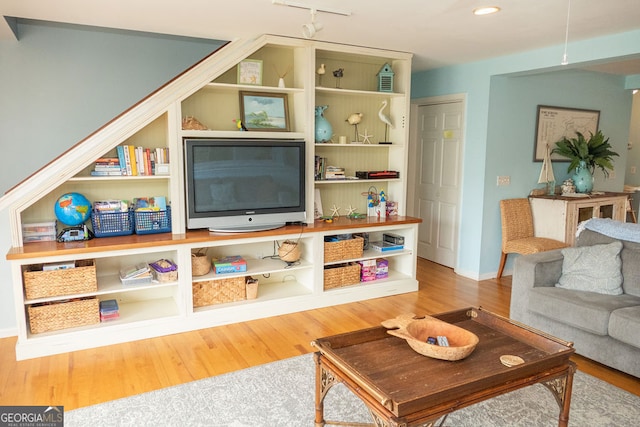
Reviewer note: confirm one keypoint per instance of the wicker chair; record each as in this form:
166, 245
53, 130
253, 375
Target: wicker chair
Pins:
517, 231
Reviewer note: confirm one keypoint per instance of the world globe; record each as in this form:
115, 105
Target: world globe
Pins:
72, 209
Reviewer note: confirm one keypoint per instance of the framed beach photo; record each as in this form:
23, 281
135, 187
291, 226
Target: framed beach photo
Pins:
555, 123
250, 72
264, 111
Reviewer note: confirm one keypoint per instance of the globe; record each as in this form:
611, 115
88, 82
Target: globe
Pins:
72, 209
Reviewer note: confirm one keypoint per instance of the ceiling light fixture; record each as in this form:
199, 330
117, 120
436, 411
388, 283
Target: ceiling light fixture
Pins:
486, 10
565, 60
310, 30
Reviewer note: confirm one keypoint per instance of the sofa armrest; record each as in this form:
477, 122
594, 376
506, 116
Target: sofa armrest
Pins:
531, 271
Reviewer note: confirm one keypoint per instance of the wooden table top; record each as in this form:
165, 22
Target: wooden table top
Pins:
409, 382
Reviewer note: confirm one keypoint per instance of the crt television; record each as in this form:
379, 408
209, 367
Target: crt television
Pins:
236, 185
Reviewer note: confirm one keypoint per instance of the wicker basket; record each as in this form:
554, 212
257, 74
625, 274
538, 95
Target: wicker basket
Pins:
343, 249
62, 315
218, 291
289, 251
200, 264
342, 275
43, 284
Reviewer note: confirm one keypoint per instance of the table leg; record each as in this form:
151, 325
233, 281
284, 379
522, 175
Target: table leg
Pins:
324, 381
561, 388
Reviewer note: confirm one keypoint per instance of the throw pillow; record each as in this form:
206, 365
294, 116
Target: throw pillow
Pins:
596, 268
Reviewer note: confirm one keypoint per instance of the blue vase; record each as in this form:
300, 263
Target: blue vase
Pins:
583, 179
324, 131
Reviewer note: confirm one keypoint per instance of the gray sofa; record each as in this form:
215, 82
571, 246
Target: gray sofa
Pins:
603, 327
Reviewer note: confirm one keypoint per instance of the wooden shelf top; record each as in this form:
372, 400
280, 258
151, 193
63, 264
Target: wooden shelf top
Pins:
136, 241
589, 196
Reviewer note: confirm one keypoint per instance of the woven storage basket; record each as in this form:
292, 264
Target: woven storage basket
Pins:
62, 315
43, 284
343, 249
218, 291
337, 277
200, 264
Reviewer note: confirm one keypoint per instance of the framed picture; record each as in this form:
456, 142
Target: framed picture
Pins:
264, 111
250, 72
554, 123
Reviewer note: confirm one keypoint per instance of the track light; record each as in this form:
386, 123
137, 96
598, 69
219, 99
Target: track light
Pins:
310, 30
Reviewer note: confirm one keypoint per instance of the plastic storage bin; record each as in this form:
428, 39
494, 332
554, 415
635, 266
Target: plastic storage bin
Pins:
150, 222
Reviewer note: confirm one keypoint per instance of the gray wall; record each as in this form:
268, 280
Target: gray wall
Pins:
58, 84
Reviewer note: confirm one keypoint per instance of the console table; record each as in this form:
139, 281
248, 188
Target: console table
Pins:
557, 217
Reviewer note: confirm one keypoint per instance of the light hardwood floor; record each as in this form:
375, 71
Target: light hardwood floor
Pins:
87, 377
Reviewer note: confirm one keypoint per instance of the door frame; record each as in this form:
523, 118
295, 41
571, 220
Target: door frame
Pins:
413, 147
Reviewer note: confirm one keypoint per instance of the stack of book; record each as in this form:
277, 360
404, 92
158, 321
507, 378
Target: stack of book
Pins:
107, 166
109, 310
383, 246
136, 274
334, 172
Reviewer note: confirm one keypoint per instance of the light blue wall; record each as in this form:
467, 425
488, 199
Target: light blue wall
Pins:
58, 84
502, 95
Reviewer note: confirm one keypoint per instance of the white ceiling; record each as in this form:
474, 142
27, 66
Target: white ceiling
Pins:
437, 32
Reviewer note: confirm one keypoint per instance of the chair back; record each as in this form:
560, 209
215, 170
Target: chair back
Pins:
517, 219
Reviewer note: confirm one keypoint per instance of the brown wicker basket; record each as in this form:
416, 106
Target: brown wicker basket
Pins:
342, 275
62, 315
43, 284
218, 291
200, 264
343, 249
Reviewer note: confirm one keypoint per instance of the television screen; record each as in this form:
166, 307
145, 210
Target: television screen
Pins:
244, 185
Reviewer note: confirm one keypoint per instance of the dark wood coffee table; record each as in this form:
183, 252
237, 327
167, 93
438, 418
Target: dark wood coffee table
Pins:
403, 388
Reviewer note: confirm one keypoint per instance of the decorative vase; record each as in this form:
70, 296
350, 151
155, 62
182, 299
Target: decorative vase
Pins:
324, 131
582, 178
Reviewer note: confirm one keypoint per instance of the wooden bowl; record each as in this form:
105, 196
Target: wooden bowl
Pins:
416, 331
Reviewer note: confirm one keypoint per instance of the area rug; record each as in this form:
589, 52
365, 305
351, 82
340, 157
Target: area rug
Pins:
282, 394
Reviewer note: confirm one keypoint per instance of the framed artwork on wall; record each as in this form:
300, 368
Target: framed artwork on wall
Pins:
264, 111
250, 72
555, 123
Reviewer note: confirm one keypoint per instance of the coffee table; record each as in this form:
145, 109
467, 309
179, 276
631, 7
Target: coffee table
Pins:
403, 388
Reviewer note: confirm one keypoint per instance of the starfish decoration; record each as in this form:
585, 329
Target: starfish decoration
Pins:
365, 137
351, 211
335, 211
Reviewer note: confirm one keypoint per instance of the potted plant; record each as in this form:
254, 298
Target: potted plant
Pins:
586, 155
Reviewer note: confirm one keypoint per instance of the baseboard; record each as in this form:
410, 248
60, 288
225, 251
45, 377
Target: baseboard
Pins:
8, 332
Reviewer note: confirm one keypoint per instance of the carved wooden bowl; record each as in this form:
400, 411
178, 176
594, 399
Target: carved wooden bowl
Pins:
416, 331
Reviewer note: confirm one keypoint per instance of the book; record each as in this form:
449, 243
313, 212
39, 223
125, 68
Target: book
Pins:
382, 246
229, 264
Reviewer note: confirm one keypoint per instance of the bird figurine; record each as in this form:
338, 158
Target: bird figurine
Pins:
354, 119
240, 125
320, 72
338, 74
385, 119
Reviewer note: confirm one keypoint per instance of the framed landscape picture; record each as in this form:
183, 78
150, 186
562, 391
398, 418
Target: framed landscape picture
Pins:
250, 72
555, 123
264, 111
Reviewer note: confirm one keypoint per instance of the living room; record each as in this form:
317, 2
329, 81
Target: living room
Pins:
515, 80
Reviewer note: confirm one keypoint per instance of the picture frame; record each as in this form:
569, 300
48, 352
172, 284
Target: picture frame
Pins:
555, 123
250, 72
267, 112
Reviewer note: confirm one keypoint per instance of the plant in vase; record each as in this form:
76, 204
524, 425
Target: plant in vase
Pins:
585, 155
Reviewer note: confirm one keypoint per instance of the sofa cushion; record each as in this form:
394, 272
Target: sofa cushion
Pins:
630, 256
596, 268
584, 310
624, 325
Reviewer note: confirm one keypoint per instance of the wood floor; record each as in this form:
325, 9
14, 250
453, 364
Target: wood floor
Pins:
88, 377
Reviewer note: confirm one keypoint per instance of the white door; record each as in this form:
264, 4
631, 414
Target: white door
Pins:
439, 162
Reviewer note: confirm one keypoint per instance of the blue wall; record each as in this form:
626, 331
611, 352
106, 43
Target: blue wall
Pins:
58, 84
502, 96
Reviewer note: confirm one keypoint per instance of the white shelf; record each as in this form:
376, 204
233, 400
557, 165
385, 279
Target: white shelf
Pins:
130, 312
358, 144
231, 87
340, 91
373, 254
257, 267
354, 181
119, 178
240, 134
266, 292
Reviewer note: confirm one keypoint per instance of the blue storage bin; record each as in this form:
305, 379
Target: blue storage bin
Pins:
150, 222
107, 224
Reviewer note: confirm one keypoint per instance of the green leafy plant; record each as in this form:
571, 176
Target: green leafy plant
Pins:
595, 152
